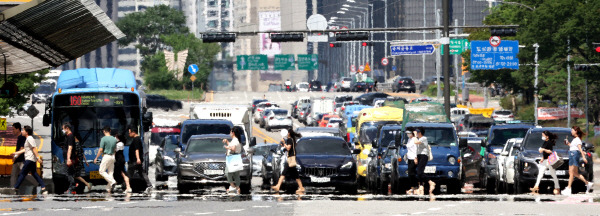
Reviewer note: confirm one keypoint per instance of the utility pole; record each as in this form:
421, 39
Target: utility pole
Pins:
372, 63
446, 57
424, 37
456, 70
438, 57
535, 85
569, 83
385, 46
587, 109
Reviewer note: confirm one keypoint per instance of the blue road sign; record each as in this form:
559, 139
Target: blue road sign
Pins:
193, 69
394, 68
486, 57
412, 49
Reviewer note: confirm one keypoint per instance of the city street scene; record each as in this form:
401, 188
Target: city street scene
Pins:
299, 107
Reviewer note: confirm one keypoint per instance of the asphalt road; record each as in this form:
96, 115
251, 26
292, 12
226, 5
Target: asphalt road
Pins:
213, 201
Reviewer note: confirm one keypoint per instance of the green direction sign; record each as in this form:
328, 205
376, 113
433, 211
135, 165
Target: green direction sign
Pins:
308, 62
252, 62
285, 62
457, 46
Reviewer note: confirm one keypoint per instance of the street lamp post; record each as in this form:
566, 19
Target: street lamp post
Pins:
535, 84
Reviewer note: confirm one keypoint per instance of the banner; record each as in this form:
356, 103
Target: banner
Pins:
555, 113
269, 20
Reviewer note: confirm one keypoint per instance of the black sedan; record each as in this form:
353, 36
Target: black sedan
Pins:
315, 86
404, 84
324, 162
166, 158
367, 99
161, 102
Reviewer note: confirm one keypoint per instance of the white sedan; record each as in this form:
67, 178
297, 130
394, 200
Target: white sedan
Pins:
278, 119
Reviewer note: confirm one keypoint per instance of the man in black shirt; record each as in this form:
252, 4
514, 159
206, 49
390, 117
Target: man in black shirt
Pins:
136, 157
18, 161
74, 158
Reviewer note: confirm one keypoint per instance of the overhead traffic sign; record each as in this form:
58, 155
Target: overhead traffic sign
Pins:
486, 57
457, 46
367, 67
284, 62
308, 61
384, 61
412, 49
252, 62
193, 68
361, 68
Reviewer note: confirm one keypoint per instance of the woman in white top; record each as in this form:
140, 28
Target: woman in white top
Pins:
411, 156
119, 172
31, 157
575, 152
233, 147
421, 161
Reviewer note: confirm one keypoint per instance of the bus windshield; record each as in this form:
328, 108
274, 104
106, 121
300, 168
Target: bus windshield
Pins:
89, 113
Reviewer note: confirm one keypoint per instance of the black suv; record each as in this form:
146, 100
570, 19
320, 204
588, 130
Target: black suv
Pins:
404, 84
315, 86
526, 169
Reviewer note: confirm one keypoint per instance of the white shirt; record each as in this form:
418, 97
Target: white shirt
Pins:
288, 83
422, 148
238, 147
412, 149
574, 144
120, 146
29, 145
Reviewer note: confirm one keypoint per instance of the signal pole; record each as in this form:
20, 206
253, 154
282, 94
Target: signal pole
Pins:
446, 57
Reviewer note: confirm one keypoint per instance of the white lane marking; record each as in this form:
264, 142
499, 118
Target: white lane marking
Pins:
235, 210
92, 207
433, 209
13, 213
450, 205
127, 203
62, 209
204, 213
261, 206
418, 213
284, 203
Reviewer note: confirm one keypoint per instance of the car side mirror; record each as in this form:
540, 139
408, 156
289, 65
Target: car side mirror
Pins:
252, 141
147, 121
504, 153
355, 151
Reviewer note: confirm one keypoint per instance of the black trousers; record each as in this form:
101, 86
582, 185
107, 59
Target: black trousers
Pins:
421, 177
412, 173
132, 169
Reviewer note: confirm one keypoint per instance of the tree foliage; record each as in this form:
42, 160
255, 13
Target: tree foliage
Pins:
27, 84
560, 27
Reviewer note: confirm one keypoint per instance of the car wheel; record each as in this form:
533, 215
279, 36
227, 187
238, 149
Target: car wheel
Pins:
174, 107
159, 177
509, 188
245, 188
394, 181
268, 129
490, 186
183, 188
383, 187
499, 186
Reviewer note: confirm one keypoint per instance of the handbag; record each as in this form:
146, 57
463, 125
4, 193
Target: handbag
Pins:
292, 160
234, 163
554, 160
429, 153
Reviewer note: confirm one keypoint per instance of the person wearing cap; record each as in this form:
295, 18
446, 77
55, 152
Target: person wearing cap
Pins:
421, 161
411, 156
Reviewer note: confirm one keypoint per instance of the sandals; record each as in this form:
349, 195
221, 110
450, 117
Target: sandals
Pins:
535, 190
410, 192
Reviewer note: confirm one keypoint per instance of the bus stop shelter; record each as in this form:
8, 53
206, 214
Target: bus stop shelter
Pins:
43, 34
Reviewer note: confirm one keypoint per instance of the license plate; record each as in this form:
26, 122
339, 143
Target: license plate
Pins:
320, 179
430, 169
213, 172
95, 175
558, 172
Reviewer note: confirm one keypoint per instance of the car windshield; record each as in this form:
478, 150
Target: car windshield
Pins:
440, 136
155, 138
534, 140
170, 146
303, 85
387, 136
347, 79
280, 112
261, 150
200, 129
208, 146
45, 88
503, 112
500, 136
319, 146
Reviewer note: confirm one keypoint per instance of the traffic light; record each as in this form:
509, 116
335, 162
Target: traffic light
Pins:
352, 36
598, 48
582, 67
292, 37
367, 43
9, 90
333, 45
218, 37
503, 32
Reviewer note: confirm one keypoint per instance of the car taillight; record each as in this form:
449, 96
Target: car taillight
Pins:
495, 116
328, 125
301, 113
347, 137
271, 118
296, 107
264, 117
289, 117
589, 154
400, 81
343, 108
460, 125
413, 82
511, 116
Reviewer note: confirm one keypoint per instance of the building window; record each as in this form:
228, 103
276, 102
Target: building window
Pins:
225, 24
212, 13
212, 3
225, 13
224, 3
212, 24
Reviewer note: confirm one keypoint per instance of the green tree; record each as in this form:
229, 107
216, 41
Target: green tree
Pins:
156, 74
147, 27
555, 25
27, 84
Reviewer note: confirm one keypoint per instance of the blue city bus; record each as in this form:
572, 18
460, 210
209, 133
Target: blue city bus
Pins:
90, 99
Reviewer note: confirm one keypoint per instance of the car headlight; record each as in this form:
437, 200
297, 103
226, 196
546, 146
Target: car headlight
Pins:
527, 167
452, 160
347, 165
269, 164
186, 165
388, 166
